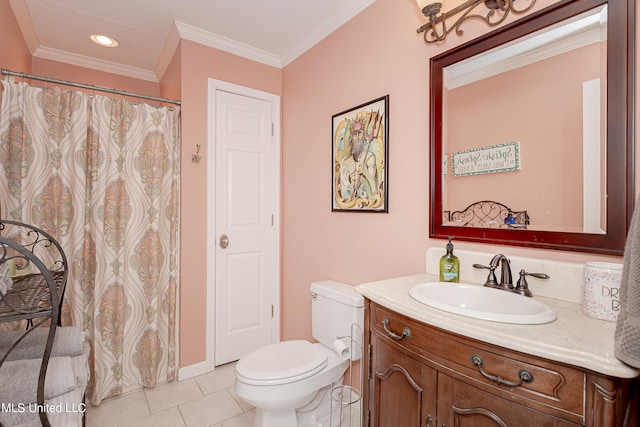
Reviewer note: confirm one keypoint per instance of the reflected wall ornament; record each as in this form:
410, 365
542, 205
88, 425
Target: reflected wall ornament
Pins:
493, 13
359, 158
482, 160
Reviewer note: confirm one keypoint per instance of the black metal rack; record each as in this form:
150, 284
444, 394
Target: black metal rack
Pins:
37, 289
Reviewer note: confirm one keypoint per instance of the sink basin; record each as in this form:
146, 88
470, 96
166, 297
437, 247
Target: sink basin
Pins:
481, 302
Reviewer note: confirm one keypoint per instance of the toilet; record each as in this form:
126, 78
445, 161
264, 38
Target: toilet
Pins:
289, 382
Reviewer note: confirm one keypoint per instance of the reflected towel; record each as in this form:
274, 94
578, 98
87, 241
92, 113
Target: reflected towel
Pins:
627, 335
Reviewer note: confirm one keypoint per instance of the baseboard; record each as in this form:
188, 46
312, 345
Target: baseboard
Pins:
186, 372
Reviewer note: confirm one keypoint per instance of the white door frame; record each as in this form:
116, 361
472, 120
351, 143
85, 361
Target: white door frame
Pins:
212, 240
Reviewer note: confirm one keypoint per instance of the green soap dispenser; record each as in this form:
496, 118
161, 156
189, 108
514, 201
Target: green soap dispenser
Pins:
449, 265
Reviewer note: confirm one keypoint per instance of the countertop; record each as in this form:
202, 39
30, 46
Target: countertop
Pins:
573, 338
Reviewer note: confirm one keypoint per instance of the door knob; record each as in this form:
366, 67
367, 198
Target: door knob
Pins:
224, 241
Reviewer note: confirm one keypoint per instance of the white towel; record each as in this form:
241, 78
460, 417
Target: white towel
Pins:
68, 341
19, 379
627, 335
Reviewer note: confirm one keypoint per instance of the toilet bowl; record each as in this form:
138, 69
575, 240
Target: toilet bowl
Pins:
291, 375
291, 380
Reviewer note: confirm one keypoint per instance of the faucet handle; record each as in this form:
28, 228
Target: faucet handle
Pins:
523, 287
492, 281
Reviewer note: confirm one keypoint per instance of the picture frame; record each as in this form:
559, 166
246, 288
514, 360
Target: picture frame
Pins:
359, 158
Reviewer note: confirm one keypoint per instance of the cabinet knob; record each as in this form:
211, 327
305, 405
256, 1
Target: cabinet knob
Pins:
428, 420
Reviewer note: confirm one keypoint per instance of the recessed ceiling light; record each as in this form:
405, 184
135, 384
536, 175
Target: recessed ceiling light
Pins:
104, 40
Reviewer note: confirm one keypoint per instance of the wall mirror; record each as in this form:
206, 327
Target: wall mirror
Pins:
538, 117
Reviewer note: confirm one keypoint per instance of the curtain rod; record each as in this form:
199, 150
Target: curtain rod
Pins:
87, 86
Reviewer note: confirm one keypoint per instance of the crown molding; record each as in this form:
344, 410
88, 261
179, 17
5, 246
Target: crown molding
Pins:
498, 66
95, 64
194, 34
560, 40
180, 31
197, 35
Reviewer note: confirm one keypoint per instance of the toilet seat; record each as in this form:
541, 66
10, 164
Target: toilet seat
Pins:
281, 363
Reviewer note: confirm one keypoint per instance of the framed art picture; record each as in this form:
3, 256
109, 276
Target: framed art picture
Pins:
359, 158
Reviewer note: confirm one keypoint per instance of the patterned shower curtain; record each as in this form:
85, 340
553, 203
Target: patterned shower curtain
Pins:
101, 174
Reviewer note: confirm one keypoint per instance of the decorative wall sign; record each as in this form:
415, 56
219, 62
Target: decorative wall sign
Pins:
359, 160
491, 159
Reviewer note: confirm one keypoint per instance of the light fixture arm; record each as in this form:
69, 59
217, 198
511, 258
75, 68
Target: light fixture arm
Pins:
496, 12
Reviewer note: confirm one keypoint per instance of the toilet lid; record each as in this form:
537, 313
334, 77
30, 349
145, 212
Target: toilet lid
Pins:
280, 363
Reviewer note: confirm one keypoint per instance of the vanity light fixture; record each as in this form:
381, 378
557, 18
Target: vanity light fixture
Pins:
103, 40
496, 12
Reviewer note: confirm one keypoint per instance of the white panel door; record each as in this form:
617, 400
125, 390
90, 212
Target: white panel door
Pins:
244, 270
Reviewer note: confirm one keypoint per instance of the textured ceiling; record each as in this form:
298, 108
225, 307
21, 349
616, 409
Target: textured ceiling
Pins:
270, 31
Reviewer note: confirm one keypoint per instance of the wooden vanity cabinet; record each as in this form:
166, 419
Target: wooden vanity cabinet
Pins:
403, 388
429, 379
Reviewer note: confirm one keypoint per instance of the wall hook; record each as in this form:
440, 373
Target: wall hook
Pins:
195, 157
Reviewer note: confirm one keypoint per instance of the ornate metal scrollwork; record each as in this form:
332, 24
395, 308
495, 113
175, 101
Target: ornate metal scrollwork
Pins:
496, 12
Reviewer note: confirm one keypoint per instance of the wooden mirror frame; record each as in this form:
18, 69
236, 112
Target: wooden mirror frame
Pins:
620, 131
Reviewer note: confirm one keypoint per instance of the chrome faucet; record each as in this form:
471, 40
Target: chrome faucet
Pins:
506, 279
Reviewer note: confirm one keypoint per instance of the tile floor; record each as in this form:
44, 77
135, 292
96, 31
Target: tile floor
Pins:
204, 401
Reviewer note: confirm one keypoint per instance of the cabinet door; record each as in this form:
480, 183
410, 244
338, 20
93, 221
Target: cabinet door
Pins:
462, 405
403, 388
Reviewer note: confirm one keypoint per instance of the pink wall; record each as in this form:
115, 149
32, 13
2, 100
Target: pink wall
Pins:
14, 53
374, 54
198, 64
170, 83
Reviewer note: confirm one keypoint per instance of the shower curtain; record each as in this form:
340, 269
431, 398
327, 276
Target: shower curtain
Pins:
101, 174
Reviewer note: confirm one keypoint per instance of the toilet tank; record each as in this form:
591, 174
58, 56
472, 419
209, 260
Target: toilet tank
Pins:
335, 306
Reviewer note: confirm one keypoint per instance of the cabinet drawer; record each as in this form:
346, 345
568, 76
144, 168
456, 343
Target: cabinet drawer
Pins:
463, 405
554, 387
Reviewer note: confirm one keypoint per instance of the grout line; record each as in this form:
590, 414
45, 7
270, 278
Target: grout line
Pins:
233, 396
228, 390
198, 384
184, 420
146, 399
